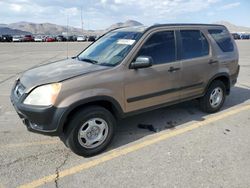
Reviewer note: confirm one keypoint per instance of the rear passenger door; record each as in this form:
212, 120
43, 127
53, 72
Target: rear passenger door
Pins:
195, 56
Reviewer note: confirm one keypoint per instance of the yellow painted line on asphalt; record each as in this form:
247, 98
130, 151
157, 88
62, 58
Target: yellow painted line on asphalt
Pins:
126, 150
45, 142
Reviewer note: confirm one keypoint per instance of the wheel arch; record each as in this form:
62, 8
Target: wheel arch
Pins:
106, 102
224, 77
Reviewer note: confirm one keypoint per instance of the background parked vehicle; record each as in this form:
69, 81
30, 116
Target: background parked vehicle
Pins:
6, 38
38, 39
50, 39
236, 36
28, 38
71, 38
17, 38
245, 36
74, 38
44, 38
91, 38
81, 38
97, 37
60, 38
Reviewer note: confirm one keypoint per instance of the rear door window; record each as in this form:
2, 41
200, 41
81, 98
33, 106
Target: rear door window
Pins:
161, 47
193, 44
223, 39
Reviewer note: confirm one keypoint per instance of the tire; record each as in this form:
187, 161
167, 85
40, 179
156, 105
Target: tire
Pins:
211, 104
90, 131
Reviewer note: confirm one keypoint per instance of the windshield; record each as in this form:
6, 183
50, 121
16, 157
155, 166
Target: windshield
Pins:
111, 49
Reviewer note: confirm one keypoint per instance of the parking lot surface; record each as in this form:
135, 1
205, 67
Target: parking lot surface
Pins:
188, 149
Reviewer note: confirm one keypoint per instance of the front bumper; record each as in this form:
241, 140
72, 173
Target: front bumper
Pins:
43, 120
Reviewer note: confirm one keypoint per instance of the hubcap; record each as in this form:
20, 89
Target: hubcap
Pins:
93, 133
216, 97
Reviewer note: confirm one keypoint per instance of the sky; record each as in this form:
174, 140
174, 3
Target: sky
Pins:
100, 14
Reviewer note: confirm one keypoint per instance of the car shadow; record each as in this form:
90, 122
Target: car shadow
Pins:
136, 127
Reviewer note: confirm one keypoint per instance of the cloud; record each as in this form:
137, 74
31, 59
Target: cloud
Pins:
70, 11
229, 6
15, 7
103, 1
99, 14
157, 10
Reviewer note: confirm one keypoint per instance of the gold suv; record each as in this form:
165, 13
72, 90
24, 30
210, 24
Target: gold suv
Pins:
125, 72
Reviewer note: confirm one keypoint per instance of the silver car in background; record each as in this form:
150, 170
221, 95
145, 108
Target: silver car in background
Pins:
38, 38
81, 38
17, 38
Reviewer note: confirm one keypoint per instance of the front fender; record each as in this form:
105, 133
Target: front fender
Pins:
79, 99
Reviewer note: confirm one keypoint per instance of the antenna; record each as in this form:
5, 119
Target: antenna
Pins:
67, 43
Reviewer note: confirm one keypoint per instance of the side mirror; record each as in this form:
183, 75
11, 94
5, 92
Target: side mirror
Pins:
142, 62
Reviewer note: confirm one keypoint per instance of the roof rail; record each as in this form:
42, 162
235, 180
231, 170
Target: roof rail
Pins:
182, 24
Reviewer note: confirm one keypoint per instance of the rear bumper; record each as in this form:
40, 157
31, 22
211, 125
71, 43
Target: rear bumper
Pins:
233, 78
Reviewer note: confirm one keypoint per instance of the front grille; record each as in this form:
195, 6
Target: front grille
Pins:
19, 90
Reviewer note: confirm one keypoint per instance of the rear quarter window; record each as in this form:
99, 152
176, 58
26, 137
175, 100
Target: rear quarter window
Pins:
223, 39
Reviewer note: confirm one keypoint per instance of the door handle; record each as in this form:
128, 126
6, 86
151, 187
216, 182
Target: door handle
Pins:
213, 62
172, 69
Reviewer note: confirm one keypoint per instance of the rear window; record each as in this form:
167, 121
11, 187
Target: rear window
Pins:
194, 44
223, 39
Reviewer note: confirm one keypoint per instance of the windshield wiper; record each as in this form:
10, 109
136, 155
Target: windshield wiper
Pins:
88, 60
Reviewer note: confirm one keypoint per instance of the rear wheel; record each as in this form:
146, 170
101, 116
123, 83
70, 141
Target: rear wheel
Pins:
214, 98
90, 131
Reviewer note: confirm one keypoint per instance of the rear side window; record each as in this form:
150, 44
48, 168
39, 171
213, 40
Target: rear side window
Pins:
161, 47
194, 44
223, 39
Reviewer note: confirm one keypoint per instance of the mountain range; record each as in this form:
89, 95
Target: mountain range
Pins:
22, 28
128, 23
6, 30
234, 28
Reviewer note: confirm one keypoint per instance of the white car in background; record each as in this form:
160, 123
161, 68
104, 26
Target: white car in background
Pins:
81, 38
17, 39
38, 39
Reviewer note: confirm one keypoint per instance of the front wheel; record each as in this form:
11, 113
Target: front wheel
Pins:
90, 131
214, 98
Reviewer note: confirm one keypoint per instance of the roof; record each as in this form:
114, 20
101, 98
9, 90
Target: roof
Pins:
146, 28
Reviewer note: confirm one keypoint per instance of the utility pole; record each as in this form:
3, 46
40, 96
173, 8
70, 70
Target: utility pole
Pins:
81, 20
67, 36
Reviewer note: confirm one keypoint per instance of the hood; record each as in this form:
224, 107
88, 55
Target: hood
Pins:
57, 71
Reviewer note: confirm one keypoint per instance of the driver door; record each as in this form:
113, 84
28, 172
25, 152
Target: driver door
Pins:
158, 84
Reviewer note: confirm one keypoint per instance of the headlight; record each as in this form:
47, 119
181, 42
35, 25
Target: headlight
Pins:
44, 95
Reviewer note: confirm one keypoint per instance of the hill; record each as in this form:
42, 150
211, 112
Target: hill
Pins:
43, 28
234, 28
128, 23
9, 31
54, 29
